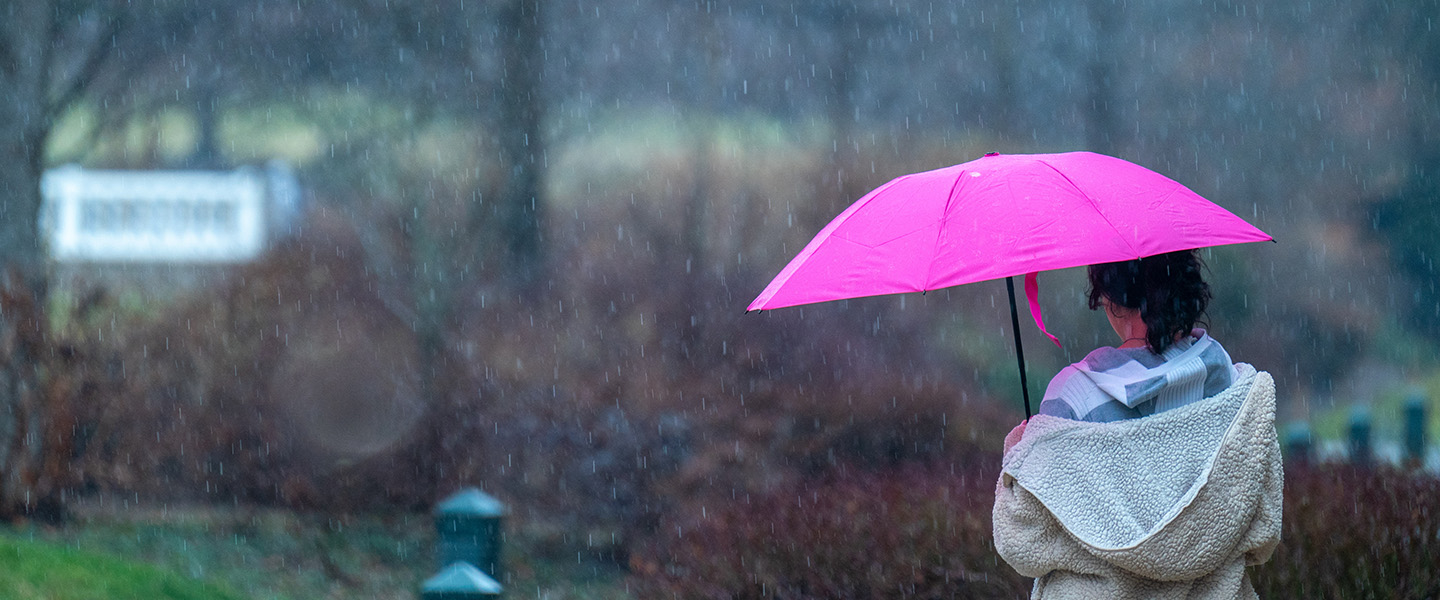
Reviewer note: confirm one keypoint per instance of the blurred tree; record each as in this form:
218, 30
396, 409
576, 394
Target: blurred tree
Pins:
1407, 219
521, 208
482, 62
52, 53
228, 57
47, 58
854, 30
441, 234
1102, 130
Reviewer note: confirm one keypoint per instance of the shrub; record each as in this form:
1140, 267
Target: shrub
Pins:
255, 393
1351, 532
914, 532
630, 386
925, 533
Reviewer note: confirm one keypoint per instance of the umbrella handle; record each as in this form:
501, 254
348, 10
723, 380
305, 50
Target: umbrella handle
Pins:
1019, 351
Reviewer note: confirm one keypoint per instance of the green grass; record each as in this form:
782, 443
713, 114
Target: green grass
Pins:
272, 554
42, 570
265, 554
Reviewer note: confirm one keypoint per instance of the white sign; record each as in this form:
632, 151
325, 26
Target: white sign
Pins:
153, 216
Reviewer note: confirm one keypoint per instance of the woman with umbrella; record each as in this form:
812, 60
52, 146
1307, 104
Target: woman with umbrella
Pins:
1152, 470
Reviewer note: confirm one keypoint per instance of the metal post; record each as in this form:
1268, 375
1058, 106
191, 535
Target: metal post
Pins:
1297, 443
467, 525
1360, 451
1415, 428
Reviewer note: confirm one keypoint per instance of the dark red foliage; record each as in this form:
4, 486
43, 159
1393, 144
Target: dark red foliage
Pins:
256, 392
913, 532
628, 389
1352, 532
925, 533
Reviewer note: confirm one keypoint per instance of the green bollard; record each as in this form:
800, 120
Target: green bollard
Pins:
1360, 451
460, 581
1415, 428
468, 526
1297, 442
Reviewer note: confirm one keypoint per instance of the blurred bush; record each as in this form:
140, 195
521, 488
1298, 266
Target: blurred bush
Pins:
632, 386
1351, 532
914, 532
630, 410
925, 533
261, 390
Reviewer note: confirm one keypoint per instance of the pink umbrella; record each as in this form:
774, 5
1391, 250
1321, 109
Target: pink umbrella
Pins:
1001, 216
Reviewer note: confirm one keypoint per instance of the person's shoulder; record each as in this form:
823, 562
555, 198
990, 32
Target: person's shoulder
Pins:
1056, 401
1068, 376
1103, 359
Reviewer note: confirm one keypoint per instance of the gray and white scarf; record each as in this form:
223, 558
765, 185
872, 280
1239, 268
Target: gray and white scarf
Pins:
1112, 384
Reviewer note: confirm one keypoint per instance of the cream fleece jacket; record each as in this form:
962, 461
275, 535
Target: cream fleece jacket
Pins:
1174, 505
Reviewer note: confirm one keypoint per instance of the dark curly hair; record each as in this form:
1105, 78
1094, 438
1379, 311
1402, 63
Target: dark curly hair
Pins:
1167, 289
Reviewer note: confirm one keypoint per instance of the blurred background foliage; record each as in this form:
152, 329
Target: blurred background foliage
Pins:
531, 230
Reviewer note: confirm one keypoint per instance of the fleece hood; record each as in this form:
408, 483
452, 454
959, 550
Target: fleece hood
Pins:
1171, 497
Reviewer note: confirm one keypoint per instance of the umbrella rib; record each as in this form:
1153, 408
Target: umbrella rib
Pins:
940, 232
1094, 204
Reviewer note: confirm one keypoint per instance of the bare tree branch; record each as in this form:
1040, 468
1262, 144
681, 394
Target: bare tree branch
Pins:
95, 56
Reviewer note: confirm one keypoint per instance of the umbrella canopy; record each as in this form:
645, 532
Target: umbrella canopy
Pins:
999, 216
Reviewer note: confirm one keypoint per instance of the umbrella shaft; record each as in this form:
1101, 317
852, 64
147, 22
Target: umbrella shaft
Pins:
1019, 351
